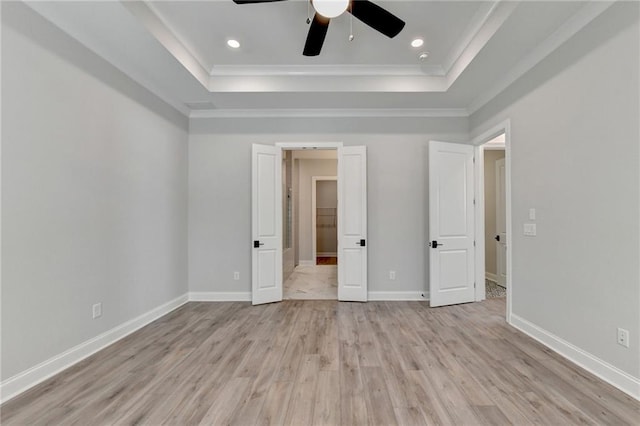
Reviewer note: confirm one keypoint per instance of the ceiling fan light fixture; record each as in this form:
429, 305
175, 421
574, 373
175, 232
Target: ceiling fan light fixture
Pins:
330, 8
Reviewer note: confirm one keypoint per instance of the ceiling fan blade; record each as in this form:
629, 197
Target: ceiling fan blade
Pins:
316, 35
254, 1
377, 17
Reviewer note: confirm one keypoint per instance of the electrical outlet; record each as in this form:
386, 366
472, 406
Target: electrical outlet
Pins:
392, 275
623, 337
236, 275
97, 310
530, 229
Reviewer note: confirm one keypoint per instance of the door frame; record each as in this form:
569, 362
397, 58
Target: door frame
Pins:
314, 236
501, 217
295, 146
478, 142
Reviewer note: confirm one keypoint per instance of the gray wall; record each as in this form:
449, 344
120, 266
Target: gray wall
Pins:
220, 214
575, 158
490, 158
94, 176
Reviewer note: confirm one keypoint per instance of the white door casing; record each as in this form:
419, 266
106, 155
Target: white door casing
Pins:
266, 220
352, 223
501, 224
451, 224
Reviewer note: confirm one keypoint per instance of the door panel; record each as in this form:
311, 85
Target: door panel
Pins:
451, 224
266, 214
501, 224
352, 224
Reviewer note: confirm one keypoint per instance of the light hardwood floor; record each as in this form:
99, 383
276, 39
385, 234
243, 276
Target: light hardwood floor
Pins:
328, 363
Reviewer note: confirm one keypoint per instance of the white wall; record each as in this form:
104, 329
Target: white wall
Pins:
93, 194
575, 158
308, 169
219, 213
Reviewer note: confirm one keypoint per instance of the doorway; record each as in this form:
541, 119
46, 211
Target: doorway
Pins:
500, 136
267, 220
324, 208
494, 218
310, 205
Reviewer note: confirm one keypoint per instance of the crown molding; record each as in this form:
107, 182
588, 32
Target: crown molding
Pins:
495, 18
95, 45
159, 29
331, 113
584, 16
471, 32
327, 70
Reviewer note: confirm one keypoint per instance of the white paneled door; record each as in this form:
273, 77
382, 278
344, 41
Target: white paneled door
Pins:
352, 224
501, 224
266, 229
451, 224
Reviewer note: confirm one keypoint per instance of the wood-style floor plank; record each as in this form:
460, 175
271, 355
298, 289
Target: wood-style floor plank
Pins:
325, 363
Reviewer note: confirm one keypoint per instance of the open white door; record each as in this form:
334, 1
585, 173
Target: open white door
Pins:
451, 224
266, 219
501, 224
352, 224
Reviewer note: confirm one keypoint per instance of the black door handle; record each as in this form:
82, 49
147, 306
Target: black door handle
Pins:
362, 243
434, 244
497, 238
257, 244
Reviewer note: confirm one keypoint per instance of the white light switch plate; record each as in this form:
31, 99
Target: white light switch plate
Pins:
530, 229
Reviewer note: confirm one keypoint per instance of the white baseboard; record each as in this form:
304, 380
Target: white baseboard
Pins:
19, 383
220, 296
607, 372
379, 296
306, 263
490, 276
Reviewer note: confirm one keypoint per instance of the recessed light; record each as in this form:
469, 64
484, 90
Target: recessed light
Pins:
417, 42
423, 56
234, 44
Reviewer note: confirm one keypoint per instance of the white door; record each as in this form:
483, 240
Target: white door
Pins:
352, 224
451, 224
501, 224
266, 228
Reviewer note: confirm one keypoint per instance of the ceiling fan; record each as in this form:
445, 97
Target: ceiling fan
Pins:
371, 14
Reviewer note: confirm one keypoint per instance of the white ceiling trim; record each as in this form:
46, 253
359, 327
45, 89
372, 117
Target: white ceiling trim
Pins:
327, 83
331, 113
578, 21
94, 44
322, 70
496, 17
475, 26
159, 29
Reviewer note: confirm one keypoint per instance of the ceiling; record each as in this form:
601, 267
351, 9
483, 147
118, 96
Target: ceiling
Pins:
178, 50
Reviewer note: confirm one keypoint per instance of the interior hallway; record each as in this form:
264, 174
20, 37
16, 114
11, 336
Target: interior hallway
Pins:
312, 282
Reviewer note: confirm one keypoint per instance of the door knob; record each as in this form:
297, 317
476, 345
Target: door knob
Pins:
497, 237
435, 244
257, 244
361, 243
